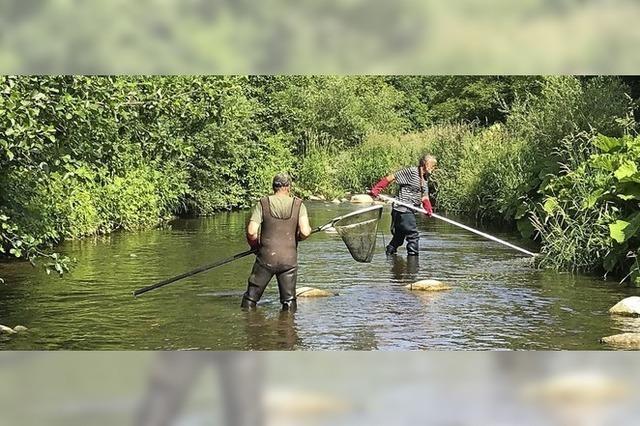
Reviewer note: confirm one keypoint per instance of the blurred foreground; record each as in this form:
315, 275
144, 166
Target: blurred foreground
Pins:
338, 36
230, 388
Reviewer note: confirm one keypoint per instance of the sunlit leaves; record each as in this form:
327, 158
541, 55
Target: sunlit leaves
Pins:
550, 205
626, 170
623, 230
606, 144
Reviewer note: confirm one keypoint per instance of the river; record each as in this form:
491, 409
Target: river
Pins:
498, 301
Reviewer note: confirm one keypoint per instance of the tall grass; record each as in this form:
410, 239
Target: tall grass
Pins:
480, 173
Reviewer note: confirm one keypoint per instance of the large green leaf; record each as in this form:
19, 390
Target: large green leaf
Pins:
626, 170
603, 162
606, 144
616, 230
622, 230
550, 205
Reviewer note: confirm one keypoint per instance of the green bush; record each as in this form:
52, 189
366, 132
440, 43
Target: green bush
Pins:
589, 218
379, 155
566, 106
336, 111
317, 174
81, 155
274, 156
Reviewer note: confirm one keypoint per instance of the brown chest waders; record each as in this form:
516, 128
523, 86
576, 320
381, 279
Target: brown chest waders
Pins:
278, 255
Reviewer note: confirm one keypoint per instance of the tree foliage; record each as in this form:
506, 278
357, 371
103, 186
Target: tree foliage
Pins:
85, 155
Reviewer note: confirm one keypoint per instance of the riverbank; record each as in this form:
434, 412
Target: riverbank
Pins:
85, 156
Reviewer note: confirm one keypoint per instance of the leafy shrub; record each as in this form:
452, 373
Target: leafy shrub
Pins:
81, 155
565, 106
273, 156
337, 111
589, 219
318, 173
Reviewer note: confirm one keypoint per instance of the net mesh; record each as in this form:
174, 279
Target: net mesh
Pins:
359, 230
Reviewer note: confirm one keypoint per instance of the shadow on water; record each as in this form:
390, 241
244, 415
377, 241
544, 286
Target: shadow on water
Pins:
498, 300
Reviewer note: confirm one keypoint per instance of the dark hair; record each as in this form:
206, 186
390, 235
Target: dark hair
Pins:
281, 180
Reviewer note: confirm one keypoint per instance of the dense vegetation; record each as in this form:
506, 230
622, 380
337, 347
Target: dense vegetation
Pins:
557, 157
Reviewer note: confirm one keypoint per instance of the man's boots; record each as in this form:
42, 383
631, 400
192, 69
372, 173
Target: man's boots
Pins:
247, 303
290, 305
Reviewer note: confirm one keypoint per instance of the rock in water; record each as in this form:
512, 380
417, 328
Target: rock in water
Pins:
313, 292
335, 201
361, 199
19, 328
6, 330
315, 198
629, 306
624, 340
428, 285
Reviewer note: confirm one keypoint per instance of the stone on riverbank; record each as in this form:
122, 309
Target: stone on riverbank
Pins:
624, 340
629, 307
316, 198
428, 285
361, 199
336, 201
6, 330
313, 292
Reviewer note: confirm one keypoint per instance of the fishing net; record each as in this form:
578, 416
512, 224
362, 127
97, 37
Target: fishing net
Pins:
359, 231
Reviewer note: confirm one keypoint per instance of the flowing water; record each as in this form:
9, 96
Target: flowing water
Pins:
498, 300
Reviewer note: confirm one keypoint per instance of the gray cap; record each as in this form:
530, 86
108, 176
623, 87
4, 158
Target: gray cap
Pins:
281, 180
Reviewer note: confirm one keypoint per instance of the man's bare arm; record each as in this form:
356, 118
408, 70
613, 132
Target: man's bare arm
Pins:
304, 229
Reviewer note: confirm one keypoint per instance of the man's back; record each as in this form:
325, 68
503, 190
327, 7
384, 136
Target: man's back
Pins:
280, 206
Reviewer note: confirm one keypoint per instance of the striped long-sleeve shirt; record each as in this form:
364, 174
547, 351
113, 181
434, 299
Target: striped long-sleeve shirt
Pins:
411, 188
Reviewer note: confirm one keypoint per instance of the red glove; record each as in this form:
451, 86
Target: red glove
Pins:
378, 187
254, 244
426, 204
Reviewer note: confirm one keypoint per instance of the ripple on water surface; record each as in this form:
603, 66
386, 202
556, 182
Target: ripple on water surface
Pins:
498, 301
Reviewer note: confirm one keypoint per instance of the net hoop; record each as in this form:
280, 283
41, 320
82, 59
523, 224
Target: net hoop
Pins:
360, 236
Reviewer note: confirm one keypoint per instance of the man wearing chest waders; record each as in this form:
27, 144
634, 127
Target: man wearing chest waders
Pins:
277, 223
413, 188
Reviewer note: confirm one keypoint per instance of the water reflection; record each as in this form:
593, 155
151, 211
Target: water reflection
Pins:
266, 330
497, 300
404, 269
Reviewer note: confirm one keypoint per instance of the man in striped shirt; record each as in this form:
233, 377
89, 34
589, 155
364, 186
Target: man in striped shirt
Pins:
413, 188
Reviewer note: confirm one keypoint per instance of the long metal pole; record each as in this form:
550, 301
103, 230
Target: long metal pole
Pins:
143, 290
453, 222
